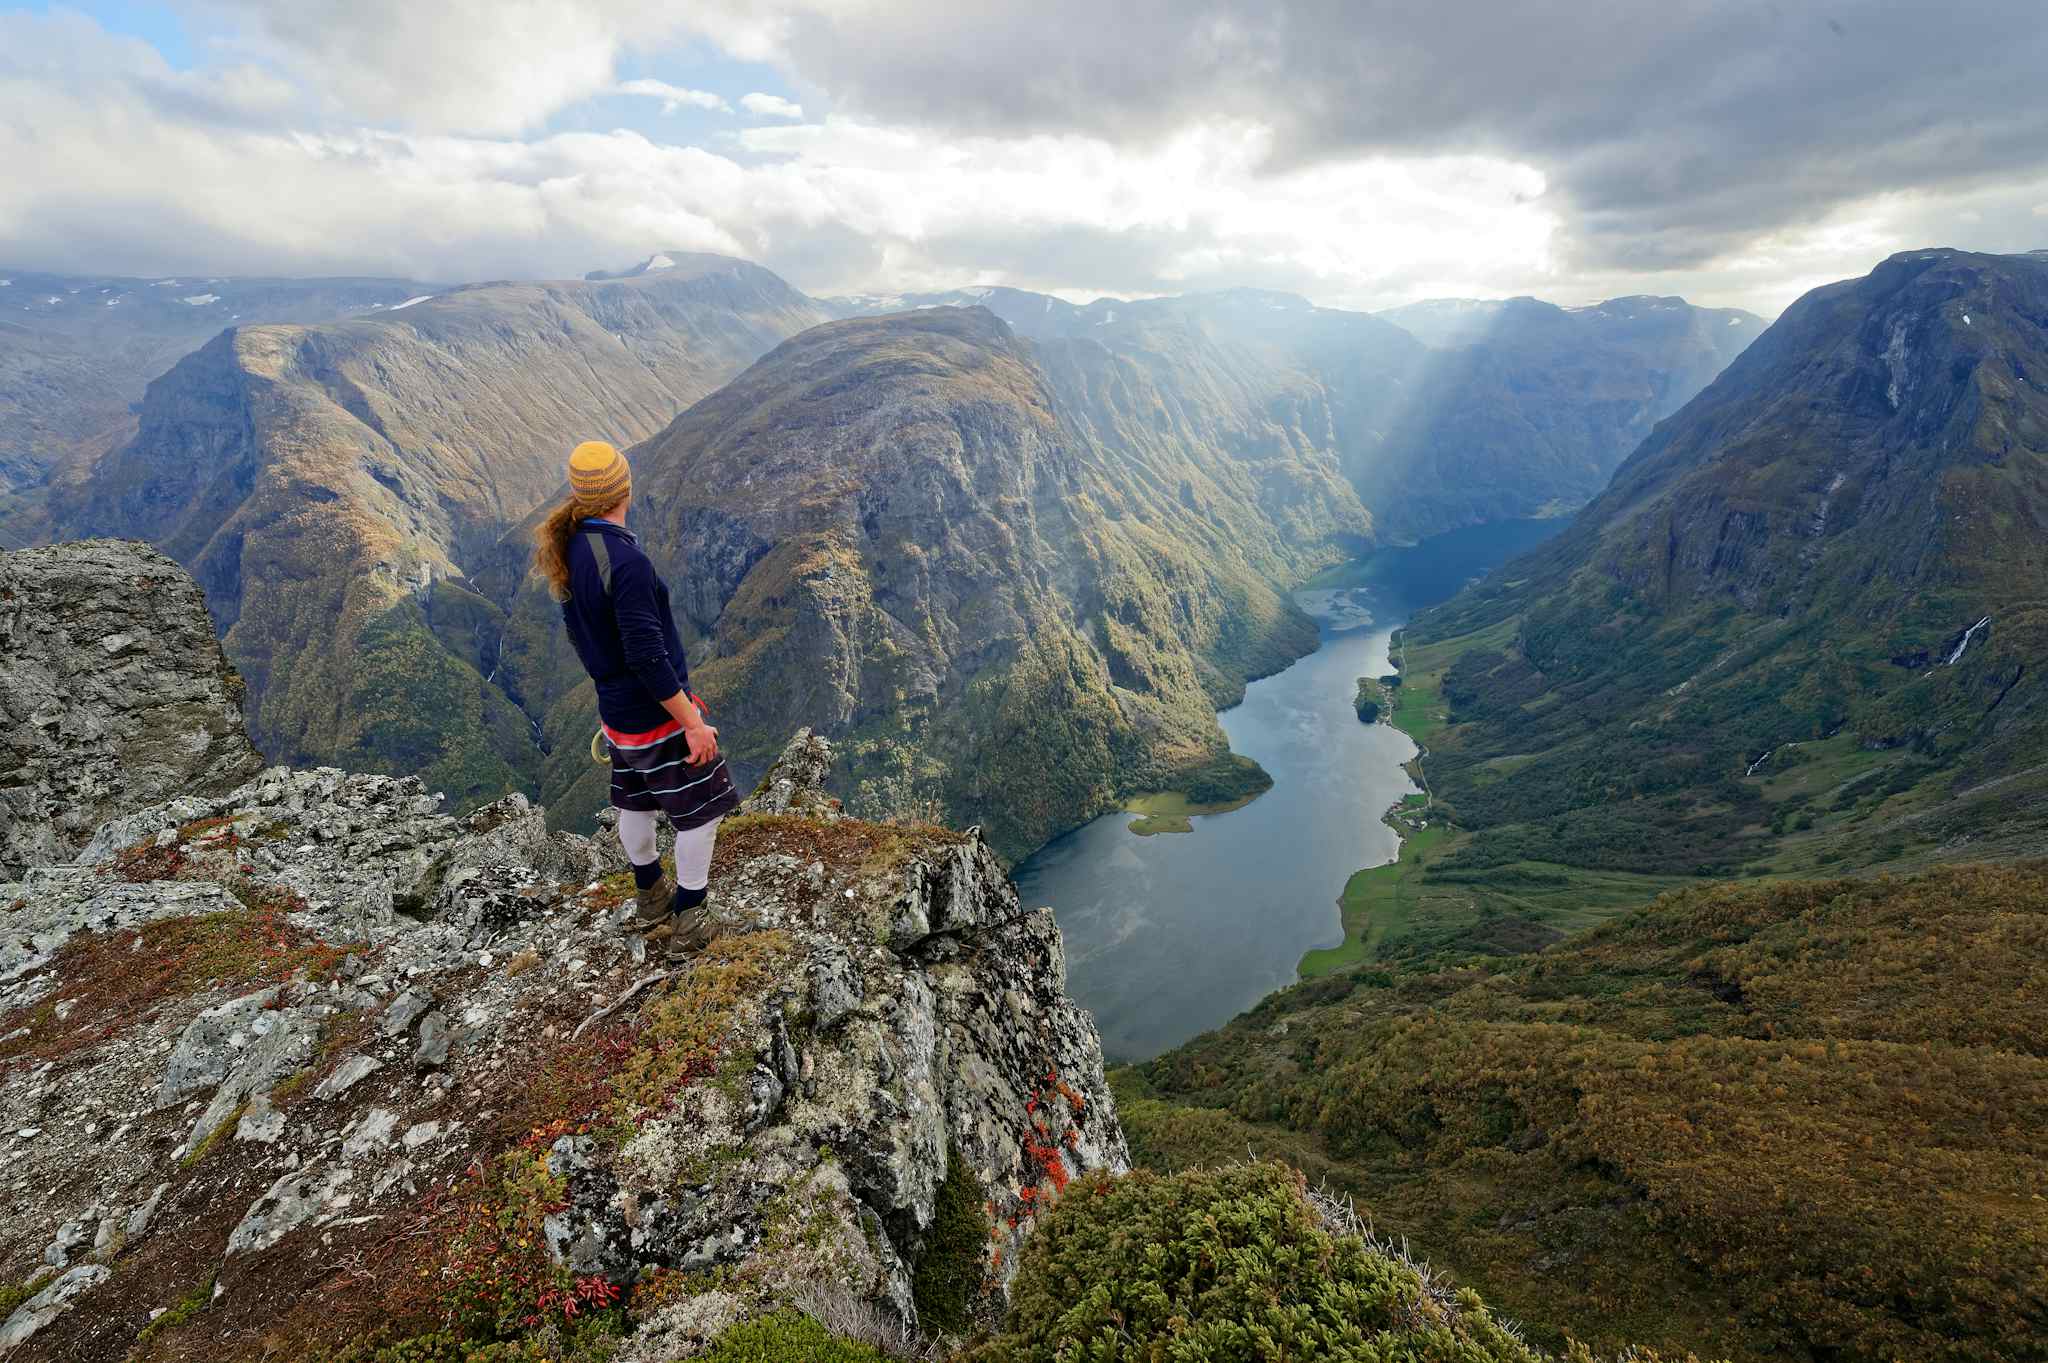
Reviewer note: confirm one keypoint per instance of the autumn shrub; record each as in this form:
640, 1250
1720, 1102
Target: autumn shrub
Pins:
108, 979
1223, 1265
496, 1277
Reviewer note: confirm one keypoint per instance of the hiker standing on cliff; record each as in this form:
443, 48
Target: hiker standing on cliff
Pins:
664, 753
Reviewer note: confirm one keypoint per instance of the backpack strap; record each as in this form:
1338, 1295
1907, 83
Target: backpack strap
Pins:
603, 554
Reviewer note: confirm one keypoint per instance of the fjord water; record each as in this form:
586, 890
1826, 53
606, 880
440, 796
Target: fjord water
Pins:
1172, 934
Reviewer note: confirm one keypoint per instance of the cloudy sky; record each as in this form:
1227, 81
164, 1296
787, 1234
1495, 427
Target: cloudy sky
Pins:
1361, 152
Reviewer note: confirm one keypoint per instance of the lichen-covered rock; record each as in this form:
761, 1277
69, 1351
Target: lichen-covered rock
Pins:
795, 783
344, 1028
114, 694
48, 1304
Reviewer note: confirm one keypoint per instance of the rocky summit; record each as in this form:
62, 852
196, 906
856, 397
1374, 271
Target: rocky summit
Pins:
114, 694
285, 1063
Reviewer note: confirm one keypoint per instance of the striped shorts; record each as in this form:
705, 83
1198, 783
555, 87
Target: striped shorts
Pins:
652, 771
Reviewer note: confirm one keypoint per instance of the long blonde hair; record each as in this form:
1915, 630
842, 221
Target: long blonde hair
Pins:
551, 545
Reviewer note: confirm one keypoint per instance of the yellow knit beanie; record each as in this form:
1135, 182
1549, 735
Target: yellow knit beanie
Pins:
598, 477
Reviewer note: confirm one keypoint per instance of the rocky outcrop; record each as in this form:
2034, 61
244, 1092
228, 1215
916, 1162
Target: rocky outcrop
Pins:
113, 695
347, 1059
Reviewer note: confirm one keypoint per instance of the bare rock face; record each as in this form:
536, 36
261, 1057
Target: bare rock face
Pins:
351, 1060
114, 695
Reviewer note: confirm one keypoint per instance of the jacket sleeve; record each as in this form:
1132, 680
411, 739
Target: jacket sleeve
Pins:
641, 636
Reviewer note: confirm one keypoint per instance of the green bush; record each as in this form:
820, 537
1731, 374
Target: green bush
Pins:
949, 1273
787, 1337
1223, 1265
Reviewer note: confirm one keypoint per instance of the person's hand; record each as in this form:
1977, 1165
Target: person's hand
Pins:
703, 740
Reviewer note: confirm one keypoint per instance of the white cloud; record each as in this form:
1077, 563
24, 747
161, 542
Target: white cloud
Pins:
673, 97
836, 205
478, 66
770, 106
117, 163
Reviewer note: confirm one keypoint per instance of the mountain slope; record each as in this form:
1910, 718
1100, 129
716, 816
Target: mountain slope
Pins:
329, 484
76, 353
1802, 628
932, 539
1446, 323
1796, 1122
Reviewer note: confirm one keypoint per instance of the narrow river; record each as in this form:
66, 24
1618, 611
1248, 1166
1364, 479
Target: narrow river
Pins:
1172, 934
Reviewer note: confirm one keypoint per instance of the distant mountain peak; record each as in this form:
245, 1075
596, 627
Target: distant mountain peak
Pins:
669, 262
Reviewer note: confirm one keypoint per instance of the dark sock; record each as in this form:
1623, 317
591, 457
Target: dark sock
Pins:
646, 876
690, 899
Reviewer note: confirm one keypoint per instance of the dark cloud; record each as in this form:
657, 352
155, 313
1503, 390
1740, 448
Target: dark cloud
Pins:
1675, 131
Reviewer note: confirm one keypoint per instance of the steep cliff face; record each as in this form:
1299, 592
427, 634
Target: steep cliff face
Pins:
329, 486
315, 1021
113, 694
904, 530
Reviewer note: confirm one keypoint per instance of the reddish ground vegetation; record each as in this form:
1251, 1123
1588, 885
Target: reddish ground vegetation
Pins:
847, 842
106, 980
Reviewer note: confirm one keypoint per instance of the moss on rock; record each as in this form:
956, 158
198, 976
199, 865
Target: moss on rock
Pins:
952, 1265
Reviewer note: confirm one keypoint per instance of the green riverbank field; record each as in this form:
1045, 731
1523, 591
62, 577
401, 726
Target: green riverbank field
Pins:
1426, 902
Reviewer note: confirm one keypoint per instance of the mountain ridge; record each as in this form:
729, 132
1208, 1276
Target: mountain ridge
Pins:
1798, 632
395, 449
78, 351
896, 526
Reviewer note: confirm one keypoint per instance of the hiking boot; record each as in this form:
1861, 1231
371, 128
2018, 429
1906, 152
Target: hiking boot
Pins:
654, 909
693, 931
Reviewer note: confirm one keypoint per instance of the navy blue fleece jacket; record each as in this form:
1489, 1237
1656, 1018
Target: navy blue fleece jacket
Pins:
627, 637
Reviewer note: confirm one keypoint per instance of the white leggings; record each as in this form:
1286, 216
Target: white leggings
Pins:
693, 845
